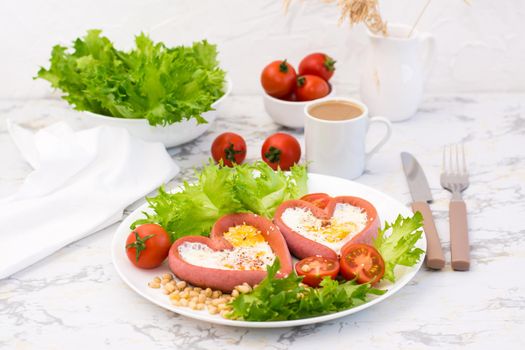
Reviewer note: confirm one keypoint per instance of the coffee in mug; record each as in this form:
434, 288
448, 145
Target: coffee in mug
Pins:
335, 134
335, 110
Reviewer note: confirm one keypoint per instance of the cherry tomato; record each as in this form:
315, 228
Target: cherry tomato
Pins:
362, 262
318, 64
281, 150
314, 268
147, 246
311, 87
318, 199
278, 79
229, 147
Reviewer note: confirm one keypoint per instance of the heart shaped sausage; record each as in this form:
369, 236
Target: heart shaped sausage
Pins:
310, 230
238, 250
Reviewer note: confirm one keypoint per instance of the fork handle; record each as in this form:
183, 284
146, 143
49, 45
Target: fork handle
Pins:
459, 244
435, 258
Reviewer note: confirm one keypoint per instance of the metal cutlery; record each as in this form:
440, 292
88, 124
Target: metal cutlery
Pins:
421, 195
455, 178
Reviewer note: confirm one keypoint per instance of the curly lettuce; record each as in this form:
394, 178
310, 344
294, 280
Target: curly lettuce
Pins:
399, 247
250, 187
161, 84
279, 299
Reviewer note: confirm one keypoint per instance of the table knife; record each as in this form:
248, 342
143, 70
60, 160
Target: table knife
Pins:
421, 196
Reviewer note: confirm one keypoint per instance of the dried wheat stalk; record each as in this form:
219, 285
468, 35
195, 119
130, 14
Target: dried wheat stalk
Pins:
358, 11
365, 11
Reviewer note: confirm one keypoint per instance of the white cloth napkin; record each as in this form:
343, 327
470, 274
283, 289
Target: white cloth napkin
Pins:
81, 183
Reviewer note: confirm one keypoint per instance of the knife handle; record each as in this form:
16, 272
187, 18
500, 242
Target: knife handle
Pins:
459, 246
435, 257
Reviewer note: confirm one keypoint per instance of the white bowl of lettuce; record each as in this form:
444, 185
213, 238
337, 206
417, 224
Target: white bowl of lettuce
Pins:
158, 93
170, 135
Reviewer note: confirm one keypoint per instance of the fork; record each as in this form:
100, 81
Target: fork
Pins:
455, 178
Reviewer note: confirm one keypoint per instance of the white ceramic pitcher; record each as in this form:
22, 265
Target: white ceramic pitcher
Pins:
395, 70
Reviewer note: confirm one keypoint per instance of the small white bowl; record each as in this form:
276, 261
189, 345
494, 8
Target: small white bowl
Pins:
170, 135
289, 113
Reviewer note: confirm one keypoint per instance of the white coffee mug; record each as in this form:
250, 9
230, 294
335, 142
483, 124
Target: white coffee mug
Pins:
337, 147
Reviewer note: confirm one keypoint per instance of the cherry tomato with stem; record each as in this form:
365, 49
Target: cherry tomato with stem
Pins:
278, 79
281, 150
319, 64
311, 87
148, 245
230, 148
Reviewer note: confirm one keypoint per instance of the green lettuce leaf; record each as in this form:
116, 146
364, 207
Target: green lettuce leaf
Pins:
164, 85
262, 194
250, 187
398, 248
278, 299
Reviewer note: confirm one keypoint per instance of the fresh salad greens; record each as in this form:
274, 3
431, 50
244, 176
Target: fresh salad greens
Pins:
163, 85
250, 187
276, 299
399, 248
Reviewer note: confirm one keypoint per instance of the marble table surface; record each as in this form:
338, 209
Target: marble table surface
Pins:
75, 299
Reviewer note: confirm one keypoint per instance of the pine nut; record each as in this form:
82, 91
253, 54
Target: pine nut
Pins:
202, 298
235, 293
181, 285
183, 302
156, 279
192, 305
167, 276
170, 287
197, 289
200, 306
208, 292
154, 285
216, 294
212, 309
244, 289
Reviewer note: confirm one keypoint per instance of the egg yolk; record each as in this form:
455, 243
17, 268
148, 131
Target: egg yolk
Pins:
244, 236
334, 231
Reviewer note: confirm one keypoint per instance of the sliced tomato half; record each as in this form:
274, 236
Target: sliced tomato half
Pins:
318, 199
363, 263
315, 268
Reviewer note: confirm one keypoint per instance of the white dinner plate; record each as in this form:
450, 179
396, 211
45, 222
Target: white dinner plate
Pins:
387, 207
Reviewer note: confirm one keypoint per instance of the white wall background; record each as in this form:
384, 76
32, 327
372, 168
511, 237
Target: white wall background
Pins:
481, 47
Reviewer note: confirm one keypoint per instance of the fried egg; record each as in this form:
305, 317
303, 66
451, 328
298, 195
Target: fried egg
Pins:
250, 251
347, 220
